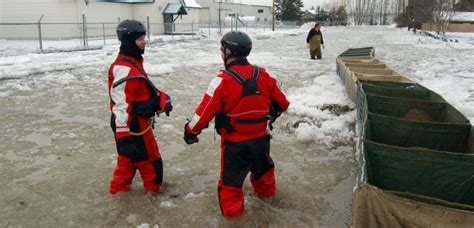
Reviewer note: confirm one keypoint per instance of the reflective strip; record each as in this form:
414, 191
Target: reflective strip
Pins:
118, 95
248, 112
122, 129
194, 121
251, 121
213, 86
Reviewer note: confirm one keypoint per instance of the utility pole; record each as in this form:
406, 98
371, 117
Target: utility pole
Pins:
220, 29
273, 15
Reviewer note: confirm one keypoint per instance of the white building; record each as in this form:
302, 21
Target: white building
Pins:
64, 19
262, 13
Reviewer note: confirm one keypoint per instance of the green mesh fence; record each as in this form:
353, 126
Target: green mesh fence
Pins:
443, 175
406, 133
416, 110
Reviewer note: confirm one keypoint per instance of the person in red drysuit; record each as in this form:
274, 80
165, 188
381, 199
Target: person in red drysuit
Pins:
134, 100
245, 100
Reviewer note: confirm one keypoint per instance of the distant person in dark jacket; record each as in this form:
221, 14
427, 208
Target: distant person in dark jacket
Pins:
315, 41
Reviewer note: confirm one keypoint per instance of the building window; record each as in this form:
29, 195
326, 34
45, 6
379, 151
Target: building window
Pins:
260, 10
265, 19
258, 19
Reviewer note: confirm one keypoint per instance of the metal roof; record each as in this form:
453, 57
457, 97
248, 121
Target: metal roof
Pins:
463, 16
175, 8
125, 1
192, 4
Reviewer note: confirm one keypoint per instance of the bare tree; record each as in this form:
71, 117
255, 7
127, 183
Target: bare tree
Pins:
351, 11
384, 8
374, 11
442, 13
370, 15
359, 10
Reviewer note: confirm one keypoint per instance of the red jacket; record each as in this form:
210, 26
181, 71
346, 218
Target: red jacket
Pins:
223, 94
123, 94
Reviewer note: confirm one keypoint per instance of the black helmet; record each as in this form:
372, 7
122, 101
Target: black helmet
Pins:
238, 43
130, 28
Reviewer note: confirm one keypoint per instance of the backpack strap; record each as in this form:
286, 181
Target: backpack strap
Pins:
117, 83
128, 60
236, 76
222, 120
240, 79
143, 76
256, 72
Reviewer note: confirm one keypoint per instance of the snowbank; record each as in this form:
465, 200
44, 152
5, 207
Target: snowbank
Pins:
326, 110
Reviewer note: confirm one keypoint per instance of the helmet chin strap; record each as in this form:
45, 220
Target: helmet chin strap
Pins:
226, 57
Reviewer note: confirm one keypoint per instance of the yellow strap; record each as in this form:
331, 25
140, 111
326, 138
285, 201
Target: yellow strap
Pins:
142, 132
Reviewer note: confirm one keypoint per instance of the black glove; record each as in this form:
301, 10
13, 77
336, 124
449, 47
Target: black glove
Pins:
274, 112
188, 137
168, 106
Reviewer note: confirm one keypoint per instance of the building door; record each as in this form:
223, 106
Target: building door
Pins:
169, 23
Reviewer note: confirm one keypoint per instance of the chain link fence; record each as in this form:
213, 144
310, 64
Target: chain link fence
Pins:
103, 33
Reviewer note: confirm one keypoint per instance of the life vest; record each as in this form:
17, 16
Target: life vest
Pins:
145, 108
144, 75
251, 113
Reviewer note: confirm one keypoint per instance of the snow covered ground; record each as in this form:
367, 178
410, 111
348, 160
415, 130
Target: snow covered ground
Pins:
58, 152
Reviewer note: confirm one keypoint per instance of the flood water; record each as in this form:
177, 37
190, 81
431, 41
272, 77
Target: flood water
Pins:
57, 151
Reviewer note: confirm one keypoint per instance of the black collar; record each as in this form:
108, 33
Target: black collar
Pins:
131, 52
238, 62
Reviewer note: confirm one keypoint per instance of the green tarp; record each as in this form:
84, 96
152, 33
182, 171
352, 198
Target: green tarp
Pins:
364, 51
369, 51
443, 175
416, 110
405, 133
425, 122
416, 161
399, 89
361, 53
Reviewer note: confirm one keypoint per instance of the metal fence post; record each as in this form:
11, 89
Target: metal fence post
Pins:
148, 26
103, 32
192, 29
209, 21
84, 31
39, 34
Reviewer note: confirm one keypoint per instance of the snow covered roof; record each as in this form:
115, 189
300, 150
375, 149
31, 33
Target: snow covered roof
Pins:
192, 4
126, 1
175, 8
463, 16
312, 11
